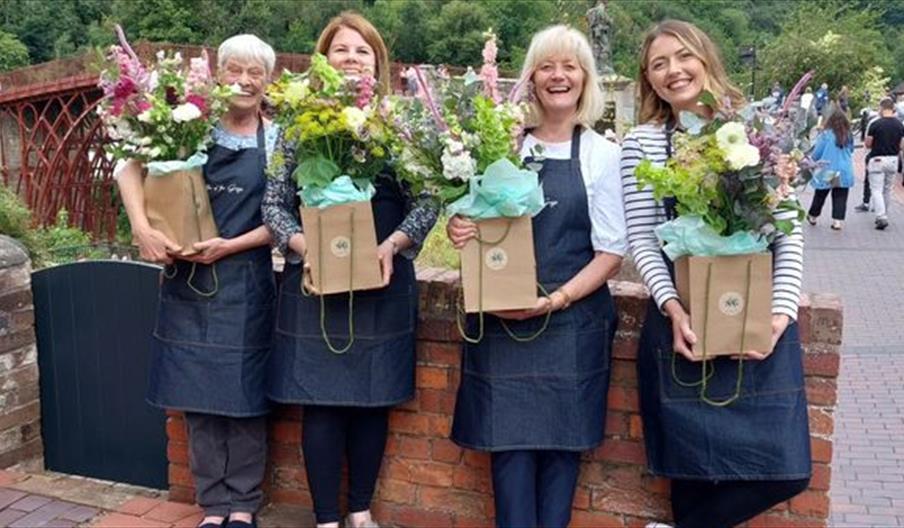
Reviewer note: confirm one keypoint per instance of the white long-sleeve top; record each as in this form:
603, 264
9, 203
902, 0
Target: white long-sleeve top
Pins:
643, 213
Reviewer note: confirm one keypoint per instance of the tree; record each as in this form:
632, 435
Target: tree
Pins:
13, 53
455, 35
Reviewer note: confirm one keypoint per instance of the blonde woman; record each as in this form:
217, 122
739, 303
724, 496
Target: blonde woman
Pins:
727, 464
536, 406
347, 397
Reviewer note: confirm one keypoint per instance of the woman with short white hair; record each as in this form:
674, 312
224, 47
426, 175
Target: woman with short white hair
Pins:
209, 352
537, 405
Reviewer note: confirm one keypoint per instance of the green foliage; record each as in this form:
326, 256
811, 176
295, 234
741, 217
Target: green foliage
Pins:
438, 251
13, 53
493, 128
455, 36
15, 218
873, 86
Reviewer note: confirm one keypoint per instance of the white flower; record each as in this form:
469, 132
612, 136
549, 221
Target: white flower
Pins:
145, 117
730, 135
186, 112
153, 81
354, 118
741, 156
457, 163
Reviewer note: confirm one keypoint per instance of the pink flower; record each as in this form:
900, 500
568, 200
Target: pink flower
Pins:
124, 88
365, 89
488, 72
198, 101
198, 72
489, 48
142, 105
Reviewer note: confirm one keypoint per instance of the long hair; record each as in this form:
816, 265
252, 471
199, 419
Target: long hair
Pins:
654, 108
356, 22
563, 40
839, 125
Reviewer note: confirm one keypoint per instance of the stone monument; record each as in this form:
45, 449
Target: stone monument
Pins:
618, 105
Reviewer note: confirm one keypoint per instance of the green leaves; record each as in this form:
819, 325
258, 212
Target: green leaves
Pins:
316, 171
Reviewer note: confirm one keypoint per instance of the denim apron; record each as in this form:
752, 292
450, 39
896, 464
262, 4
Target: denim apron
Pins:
549, 393
378, 370
209, 353
763, 435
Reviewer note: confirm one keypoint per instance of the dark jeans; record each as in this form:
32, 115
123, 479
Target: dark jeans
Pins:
328, 435
706, 504
839, 202
228, 457
534, 488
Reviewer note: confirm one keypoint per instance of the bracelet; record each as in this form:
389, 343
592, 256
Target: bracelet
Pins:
567, 297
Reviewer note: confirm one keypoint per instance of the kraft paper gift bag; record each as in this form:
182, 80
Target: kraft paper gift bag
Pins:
342, 247
176, 204
498, 271
729, 299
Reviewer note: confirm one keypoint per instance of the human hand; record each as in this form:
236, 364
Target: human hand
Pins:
544, 305
460, 230
780, 323
211, 250
154, 246
385, 253
683, 338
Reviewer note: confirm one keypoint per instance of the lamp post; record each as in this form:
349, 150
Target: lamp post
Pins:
748, 56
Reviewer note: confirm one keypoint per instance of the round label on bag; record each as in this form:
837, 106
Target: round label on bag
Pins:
731, 303
496, 259
341, 246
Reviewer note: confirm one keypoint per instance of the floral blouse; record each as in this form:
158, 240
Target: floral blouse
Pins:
280, 212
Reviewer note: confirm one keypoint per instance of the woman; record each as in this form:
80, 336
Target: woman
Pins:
209, 353
537, 405
347, 397
834, 147
726, 464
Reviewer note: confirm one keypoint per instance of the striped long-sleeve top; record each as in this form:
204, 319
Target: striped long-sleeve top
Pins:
643, 213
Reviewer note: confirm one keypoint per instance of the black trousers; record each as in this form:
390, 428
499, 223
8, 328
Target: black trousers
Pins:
330, 434
706, 504
839, 202
534, 488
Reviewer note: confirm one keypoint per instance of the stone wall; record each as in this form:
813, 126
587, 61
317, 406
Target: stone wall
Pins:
20, 408
427, 480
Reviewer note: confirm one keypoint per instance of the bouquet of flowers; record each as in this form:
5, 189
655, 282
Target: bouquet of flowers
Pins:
458, 131
339, 130
162, 113
162, 116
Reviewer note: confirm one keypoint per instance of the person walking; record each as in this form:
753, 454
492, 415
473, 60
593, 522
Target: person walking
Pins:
884, 139
209, 353
536, 406
726, 464
834, 147
347, 397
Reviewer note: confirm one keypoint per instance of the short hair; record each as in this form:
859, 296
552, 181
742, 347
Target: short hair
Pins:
356, 22
886, 104
248, 47
564, 40
653, 107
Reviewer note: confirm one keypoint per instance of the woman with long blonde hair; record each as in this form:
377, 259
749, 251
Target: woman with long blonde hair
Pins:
727, 464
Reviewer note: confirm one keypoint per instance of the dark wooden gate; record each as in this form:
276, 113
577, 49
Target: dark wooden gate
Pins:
93, 322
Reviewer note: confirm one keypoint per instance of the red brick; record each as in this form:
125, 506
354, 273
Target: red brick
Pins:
177, 453
412, 447
396, 469
432, 377
623, 373
472, 479
446, 451
432, 473
409, 423
623, 451
635, 427
138, 506
821, 450
656, 485
170, 512
624, 349
822, 477
452, 500
822, 423
823, 364
623, 399
445, 354
581, 498
616, 424
396, 491
477, 459
120, 520
285, 432
821, 391
436, 401
410, 405
462, 521
811, 503
180, 475
175, 430
292, 496
583, 519
181, 494
408, 516
284, 455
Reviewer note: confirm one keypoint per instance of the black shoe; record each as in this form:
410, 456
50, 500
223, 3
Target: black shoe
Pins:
241, 524
221, 524
862, 208
881, 224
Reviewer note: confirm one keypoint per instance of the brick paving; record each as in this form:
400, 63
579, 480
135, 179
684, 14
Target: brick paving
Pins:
866, 268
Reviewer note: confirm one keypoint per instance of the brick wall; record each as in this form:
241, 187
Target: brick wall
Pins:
427, 480
20, 408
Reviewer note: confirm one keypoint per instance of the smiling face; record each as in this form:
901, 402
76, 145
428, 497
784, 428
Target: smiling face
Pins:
675, 73
251, 77
352, 54
559, 83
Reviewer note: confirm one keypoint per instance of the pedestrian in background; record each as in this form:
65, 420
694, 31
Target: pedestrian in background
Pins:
834, 148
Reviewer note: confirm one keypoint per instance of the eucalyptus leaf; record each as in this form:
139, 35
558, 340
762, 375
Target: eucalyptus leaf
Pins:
691, 122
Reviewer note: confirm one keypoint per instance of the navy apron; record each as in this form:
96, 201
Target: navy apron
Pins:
209, 354
763, 435
549, 393
378, 370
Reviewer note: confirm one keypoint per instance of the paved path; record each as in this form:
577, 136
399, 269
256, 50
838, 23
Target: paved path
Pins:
866, 268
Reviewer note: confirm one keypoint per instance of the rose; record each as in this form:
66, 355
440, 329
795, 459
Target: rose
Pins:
186, 112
